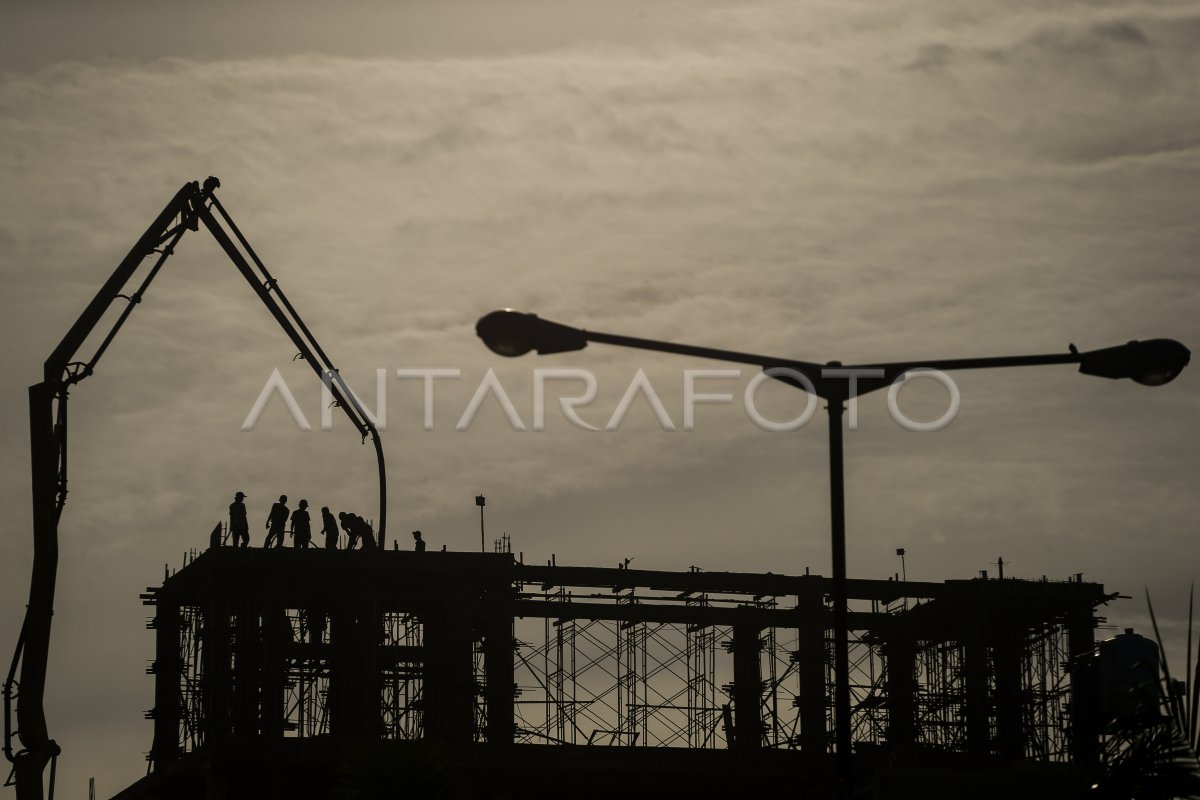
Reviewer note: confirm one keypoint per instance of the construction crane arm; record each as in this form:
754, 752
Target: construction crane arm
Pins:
194, 204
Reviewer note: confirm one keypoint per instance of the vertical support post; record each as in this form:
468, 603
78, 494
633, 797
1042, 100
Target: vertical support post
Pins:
355, 689
499, 654
901, 657
276, 634
975, 674
810, 664
747, 680
341, 668
449, 689
217, 674
167, 700
1007, 652
370, 682
247, 658
1085, 722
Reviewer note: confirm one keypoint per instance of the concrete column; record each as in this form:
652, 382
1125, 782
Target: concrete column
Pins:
810, 664
975, 676
167, 701
276, 635
355, 691
370, 697
747, 680
341, 669
1007, 657
498, 655
1085, 700
448, 684
900, 652
217, 675
247, 664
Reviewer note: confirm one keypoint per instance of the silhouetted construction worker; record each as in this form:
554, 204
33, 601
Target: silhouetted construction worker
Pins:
350, 528
359, 531
418, 542
239, 529
301, 531
329, 527
365, 532
276, 521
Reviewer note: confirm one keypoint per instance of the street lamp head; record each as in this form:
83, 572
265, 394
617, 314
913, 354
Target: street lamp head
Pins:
1150, 363
514, 333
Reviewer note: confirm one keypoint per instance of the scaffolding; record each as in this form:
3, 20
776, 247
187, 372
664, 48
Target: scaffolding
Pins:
401, 695
941, 696
191, 679
1046, 693
609, 682
481, 650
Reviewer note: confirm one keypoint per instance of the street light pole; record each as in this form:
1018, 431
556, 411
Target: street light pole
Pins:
1152, 363
841, 599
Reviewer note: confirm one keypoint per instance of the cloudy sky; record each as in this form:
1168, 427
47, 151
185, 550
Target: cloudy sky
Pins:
813, 180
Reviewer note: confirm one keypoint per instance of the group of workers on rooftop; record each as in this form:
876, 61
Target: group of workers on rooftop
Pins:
359, 532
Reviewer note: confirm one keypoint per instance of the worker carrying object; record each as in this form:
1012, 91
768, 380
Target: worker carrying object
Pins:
276, 521
238, 527
365, 532
329, 527
358, 530
301, 531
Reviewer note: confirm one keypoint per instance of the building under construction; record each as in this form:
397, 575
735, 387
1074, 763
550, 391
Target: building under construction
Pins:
311, 673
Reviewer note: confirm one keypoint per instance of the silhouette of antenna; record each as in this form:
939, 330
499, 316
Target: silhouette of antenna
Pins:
900, 551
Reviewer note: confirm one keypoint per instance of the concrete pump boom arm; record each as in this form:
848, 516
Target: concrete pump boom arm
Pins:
192, 205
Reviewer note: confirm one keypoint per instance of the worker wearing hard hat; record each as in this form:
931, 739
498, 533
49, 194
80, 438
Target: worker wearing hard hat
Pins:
239, 529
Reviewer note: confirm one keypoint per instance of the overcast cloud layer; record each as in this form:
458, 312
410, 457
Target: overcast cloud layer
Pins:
826, 181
